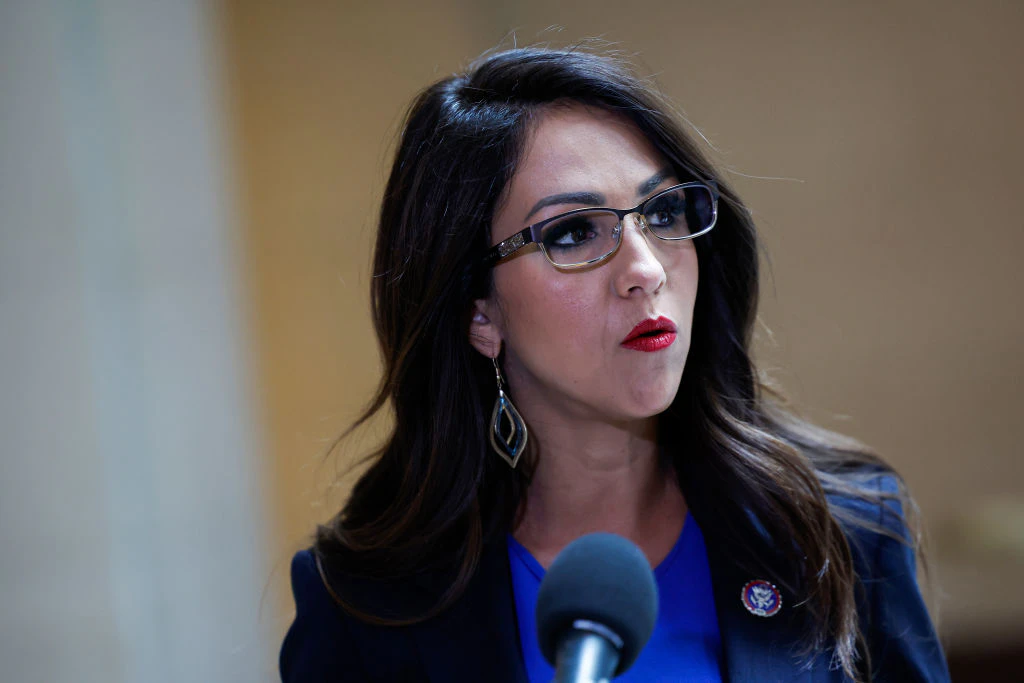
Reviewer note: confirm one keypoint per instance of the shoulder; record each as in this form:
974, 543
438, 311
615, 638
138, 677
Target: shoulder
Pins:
874, 516
307, 587
327, 644
318, 646
900, 636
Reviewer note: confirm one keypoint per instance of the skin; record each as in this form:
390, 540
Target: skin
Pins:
589, 402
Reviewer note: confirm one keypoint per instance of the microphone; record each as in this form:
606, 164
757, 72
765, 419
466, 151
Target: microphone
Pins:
596, 608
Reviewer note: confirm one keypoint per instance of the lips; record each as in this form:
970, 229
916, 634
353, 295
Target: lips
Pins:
653, 334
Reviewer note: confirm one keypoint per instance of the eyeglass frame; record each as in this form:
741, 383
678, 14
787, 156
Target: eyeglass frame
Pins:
531, 233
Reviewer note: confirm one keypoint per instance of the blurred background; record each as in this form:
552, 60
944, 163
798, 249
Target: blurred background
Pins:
187, 200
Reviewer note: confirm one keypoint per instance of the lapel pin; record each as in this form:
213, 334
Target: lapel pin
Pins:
761, 598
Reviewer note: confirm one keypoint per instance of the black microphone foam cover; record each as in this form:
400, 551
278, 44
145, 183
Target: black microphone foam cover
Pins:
603, 578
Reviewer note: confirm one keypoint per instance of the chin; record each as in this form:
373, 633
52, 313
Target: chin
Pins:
648, 400
651, 406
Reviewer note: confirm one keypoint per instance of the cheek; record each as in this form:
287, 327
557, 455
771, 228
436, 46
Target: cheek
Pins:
685, 276
548, 311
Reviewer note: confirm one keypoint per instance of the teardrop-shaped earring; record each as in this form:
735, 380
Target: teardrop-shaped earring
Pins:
511, 442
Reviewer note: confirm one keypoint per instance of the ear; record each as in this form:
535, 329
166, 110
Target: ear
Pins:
484, 332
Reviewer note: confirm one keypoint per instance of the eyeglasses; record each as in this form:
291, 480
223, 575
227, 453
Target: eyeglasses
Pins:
584, 237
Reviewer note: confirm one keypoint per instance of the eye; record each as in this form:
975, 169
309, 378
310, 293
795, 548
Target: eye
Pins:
667, 213
571, 232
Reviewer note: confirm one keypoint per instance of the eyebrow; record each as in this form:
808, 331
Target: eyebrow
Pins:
651, 184
596, 198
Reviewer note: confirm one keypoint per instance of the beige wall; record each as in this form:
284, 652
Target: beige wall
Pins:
879, 145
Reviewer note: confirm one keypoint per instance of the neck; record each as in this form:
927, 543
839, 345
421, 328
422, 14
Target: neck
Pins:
600, 477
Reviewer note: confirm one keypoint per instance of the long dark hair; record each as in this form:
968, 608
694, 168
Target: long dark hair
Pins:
435, 493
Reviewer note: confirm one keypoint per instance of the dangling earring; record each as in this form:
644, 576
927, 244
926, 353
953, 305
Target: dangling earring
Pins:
509, 447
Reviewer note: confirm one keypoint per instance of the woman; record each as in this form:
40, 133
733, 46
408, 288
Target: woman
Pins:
556, 367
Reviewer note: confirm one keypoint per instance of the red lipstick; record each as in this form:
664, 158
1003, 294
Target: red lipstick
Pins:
653, 334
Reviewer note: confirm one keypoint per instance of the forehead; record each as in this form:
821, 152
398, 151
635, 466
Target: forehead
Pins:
574, 147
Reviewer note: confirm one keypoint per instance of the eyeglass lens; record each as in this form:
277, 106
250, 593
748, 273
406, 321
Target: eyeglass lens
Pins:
589, 235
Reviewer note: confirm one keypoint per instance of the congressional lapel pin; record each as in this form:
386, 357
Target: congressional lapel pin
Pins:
761, 598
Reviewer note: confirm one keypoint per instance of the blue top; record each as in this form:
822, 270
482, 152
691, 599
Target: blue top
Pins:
685, 645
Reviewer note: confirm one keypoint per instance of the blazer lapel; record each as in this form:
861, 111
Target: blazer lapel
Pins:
757, 649
477, 639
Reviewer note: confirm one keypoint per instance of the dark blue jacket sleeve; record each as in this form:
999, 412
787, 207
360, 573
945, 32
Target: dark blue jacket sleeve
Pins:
901, 638
318, 647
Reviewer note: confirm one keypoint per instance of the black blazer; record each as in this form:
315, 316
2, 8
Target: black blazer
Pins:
477, 638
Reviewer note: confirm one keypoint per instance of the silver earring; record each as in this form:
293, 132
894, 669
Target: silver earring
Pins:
509, 446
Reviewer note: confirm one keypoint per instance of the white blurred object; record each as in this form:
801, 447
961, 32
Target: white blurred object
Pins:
132, 529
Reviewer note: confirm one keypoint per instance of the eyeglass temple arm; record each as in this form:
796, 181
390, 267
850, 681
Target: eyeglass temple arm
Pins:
509, 246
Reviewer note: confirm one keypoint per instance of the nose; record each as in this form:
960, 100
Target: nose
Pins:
638, 265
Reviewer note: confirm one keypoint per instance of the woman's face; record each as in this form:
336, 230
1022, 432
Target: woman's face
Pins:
563, 331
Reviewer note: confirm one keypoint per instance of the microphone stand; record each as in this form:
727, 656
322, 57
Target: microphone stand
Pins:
588, 654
